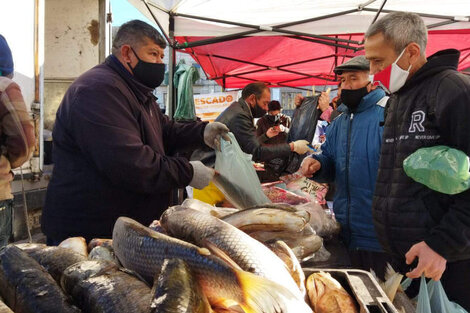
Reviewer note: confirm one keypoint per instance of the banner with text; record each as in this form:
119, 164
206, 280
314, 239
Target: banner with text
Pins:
209, 106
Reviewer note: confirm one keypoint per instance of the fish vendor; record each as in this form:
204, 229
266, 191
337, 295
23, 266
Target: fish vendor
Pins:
113, 146
429, 106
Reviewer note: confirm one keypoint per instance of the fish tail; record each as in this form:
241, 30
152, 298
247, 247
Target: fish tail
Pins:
264, 295
261, 294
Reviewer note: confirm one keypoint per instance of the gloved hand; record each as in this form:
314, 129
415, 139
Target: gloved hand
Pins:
300, 146
213, 132
202, 175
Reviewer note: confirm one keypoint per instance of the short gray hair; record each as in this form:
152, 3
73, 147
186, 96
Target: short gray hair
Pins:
401, 29
135, 33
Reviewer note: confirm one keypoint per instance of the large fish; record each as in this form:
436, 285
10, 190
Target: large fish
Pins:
99, 286
207, 208
176, 291
328, 296
282, 250
143, 250
27, 287
250, 254
324, 223
54, 259
268, 219
77, 244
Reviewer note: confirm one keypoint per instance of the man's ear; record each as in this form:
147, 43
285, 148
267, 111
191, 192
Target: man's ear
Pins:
125, 53
252, 99
414, 52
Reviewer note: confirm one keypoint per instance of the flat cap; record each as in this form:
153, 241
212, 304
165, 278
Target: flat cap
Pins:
359, 63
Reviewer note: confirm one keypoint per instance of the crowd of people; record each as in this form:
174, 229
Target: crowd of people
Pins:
114, 150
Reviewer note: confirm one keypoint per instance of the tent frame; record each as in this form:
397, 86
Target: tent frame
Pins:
255, 29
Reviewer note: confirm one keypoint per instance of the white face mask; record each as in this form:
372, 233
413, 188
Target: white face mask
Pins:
393, 77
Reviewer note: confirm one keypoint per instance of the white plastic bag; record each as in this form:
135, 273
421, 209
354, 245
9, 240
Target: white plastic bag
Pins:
237, 178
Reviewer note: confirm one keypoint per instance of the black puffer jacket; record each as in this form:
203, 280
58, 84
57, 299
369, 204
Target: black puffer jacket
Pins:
239, 120
433, 108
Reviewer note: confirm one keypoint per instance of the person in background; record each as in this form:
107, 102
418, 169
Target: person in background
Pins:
17, 138
429, 106
329, 109
350, 159
113, 146
239, 119
273, 127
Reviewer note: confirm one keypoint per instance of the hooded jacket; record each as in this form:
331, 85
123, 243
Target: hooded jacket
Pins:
350, 158
111, 155
432, 108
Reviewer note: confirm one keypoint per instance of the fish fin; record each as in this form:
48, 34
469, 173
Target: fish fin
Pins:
221, 254
263, 295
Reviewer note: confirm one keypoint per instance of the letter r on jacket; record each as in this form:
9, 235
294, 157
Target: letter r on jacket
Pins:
417, 119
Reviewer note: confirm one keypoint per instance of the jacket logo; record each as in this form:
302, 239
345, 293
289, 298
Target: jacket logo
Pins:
417, 120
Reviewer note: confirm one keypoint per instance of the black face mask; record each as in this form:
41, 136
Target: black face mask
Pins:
273, 118
352, 97
257, 111
149, 74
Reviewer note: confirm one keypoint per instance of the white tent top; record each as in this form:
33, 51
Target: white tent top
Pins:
264, 14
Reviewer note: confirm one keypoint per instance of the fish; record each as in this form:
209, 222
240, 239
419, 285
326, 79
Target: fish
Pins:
78, 244
143, 250
101, 253
219, 236
267, 236
324, 224
282, 250
326, 295
176, 290
394, 291
4, 308
305, 246
107, 243
279, 195
207, 208
268, 219
238, 195
99, 286
54, 259
27, 287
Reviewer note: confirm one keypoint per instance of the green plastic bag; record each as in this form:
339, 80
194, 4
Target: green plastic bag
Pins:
433, 299
440, 168
237, 178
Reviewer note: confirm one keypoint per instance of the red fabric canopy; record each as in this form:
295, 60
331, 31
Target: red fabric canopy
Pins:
288, 61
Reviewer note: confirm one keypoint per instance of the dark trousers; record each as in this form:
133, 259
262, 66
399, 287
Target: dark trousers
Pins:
367, 260
6, 212
455, 280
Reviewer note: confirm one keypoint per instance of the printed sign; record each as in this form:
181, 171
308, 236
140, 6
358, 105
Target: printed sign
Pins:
209, 106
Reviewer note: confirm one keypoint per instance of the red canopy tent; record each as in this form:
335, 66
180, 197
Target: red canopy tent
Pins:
291, 43
292, 62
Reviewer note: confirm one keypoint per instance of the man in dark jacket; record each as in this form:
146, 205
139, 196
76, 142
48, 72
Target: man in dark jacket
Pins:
273, 127
112, 143
429, 106
239, 119
350, 159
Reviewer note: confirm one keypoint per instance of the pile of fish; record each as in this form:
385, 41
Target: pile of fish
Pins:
302, 227
190, 261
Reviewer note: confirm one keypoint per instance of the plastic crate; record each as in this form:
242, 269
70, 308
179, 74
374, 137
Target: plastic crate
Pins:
362, 286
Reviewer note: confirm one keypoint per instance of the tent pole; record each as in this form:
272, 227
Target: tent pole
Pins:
378, 12
444, 17
336, 61
171, 71
242, 73
327, 43
223, 83
159, 25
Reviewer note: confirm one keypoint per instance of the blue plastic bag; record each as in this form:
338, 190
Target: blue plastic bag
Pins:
433, 299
